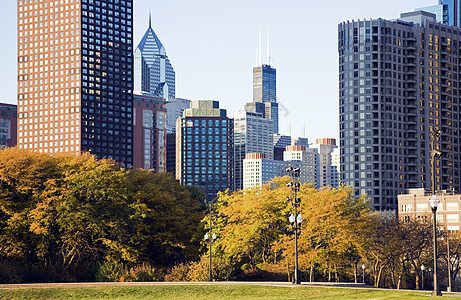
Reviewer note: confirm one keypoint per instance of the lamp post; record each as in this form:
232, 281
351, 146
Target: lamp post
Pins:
295, 218
434, 203
422, 276
211, 237
363, 272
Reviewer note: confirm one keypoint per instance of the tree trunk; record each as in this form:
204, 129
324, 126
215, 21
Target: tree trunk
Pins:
417, 280
355, 271
311, 275
378, 278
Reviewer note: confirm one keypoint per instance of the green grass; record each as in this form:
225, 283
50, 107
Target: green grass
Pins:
172, 292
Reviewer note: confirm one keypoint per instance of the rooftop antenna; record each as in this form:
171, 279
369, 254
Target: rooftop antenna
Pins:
260, 48
289, 129
304, 130
268, 48
150, 19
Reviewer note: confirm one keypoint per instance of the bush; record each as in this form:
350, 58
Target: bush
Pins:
199, 271
142, 272
110, 271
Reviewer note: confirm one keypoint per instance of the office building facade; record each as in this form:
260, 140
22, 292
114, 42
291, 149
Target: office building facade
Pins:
258, 169
174, 110
252, 134
8, 125
205, 148
149, 132
153, 72
398, 83
75, 77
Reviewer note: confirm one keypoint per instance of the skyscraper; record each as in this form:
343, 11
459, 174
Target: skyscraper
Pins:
252, 134
205, 148
264, 88
447, 12
398, 84
153, 72
149, 132
75, 77
264, 91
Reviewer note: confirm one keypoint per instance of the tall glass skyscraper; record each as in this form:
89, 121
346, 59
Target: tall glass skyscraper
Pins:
447, 12
75, 77
264, 91
153, 72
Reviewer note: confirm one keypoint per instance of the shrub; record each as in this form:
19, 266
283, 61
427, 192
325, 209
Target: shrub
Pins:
110, 271
142, 272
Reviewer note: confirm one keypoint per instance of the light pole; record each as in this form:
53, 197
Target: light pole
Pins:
210, 236
422, 276
434, 203
295, 218
363, 272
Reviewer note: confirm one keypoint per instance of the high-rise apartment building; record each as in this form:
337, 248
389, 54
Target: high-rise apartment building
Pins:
264, 91
153, 72
252, 134
398, 83
75, 77
8, 125
149, 132
205, 148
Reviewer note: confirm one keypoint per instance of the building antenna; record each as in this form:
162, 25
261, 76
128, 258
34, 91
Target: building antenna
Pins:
304, 130
289, 129
260, 48
150, 18
268, 48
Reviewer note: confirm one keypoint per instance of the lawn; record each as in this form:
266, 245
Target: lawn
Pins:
205, 292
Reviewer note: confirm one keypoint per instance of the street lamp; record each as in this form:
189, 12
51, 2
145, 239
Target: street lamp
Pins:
295, 218
434, 203
363, 273
212, 235
422, 276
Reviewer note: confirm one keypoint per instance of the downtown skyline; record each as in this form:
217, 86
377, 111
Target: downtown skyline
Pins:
213, 54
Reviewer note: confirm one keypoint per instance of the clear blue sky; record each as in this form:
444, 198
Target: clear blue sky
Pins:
212, 46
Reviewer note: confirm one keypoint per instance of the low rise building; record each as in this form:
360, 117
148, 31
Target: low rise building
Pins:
415, 204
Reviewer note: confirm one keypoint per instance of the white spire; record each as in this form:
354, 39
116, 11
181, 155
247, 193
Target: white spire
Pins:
268, 48
260, 48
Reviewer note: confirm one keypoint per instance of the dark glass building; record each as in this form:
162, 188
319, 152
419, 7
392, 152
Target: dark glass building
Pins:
264, 91
205, 147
